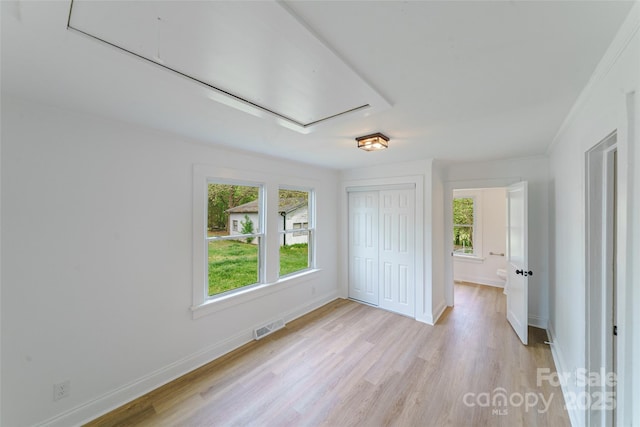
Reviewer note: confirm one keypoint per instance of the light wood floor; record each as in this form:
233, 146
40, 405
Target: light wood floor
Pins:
347, 364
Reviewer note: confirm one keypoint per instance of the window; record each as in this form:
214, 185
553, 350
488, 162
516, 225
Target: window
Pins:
233, 230
294, 209
234, 236
463, 225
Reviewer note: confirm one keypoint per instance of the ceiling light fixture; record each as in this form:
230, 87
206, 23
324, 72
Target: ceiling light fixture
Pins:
373, 142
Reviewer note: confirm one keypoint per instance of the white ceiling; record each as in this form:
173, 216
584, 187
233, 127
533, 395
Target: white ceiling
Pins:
256, 54
466, 80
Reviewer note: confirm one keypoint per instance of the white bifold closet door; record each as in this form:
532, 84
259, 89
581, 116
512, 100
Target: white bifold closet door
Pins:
382, 249
363, 246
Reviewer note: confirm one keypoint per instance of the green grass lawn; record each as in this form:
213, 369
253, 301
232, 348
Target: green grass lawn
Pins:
234, 264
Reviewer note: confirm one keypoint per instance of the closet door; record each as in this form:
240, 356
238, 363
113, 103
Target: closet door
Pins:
397, 251
363, 246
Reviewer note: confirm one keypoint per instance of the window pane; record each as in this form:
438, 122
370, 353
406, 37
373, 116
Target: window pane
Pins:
232, 209
293, 213
463, 211
463, 239
232, 264
293, 209
463, 225
294, 256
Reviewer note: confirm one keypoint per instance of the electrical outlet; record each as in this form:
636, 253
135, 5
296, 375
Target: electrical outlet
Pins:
61, 390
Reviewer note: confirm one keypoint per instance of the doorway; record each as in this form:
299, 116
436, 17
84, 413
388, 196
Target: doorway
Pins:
479, 236
601, 276
516, 253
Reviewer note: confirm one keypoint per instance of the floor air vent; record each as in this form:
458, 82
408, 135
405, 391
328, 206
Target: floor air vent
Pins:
267, 329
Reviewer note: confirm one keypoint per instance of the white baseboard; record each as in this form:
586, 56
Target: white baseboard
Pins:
434, 316
114, 399
441, 307
480, 280
538, 322
561, 367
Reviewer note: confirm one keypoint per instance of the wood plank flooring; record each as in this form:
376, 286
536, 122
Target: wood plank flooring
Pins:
348, 364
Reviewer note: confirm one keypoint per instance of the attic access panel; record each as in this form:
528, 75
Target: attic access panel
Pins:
255, 56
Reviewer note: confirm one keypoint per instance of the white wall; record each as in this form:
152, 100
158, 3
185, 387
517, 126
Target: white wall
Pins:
489, 235
97, 268
610, 102
501, 173
438, 234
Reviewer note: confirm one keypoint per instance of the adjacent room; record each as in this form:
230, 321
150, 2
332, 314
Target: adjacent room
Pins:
313, 213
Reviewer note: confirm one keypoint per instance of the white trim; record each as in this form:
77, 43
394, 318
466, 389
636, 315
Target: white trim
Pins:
448, 188
476, 196
115, 398
619, 44
440, 308
628, 346
468, 258
244, 295
480, 281
598, 256
560, 363
203, 174
355, 189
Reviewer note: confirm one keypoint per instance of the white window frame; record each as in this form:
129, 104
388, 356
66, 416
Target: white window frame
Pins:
476, 196
270, 281
310, 229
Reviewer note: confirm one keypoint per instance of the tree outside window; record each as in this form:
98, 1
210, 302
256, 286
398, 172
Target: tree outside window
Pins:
463, 222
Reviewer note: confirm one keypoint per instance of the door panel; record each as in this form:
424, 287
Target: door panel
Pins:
363, 246
517, 260
397, 251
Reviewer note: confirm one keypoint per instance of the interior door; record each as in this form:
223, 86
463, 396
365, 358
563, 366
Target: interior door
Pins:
517, 260
397, 237
363, 246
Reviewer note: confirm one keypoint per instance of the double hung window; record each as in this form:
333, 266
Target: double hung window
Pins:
247, 235
463, 225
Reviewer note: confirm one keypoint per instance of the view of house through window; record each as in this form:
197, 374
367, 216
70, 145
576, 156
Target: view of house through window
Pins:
233, 236
463, 225
295, 233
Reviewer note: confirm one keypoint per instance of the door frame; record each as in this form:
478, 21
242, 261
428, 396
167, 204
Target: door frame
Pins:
421, 313
448, 223
600, 235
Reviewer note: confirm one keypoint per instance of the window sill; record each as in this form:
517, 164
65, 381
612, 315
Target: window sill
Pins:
468, 258
223, 302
